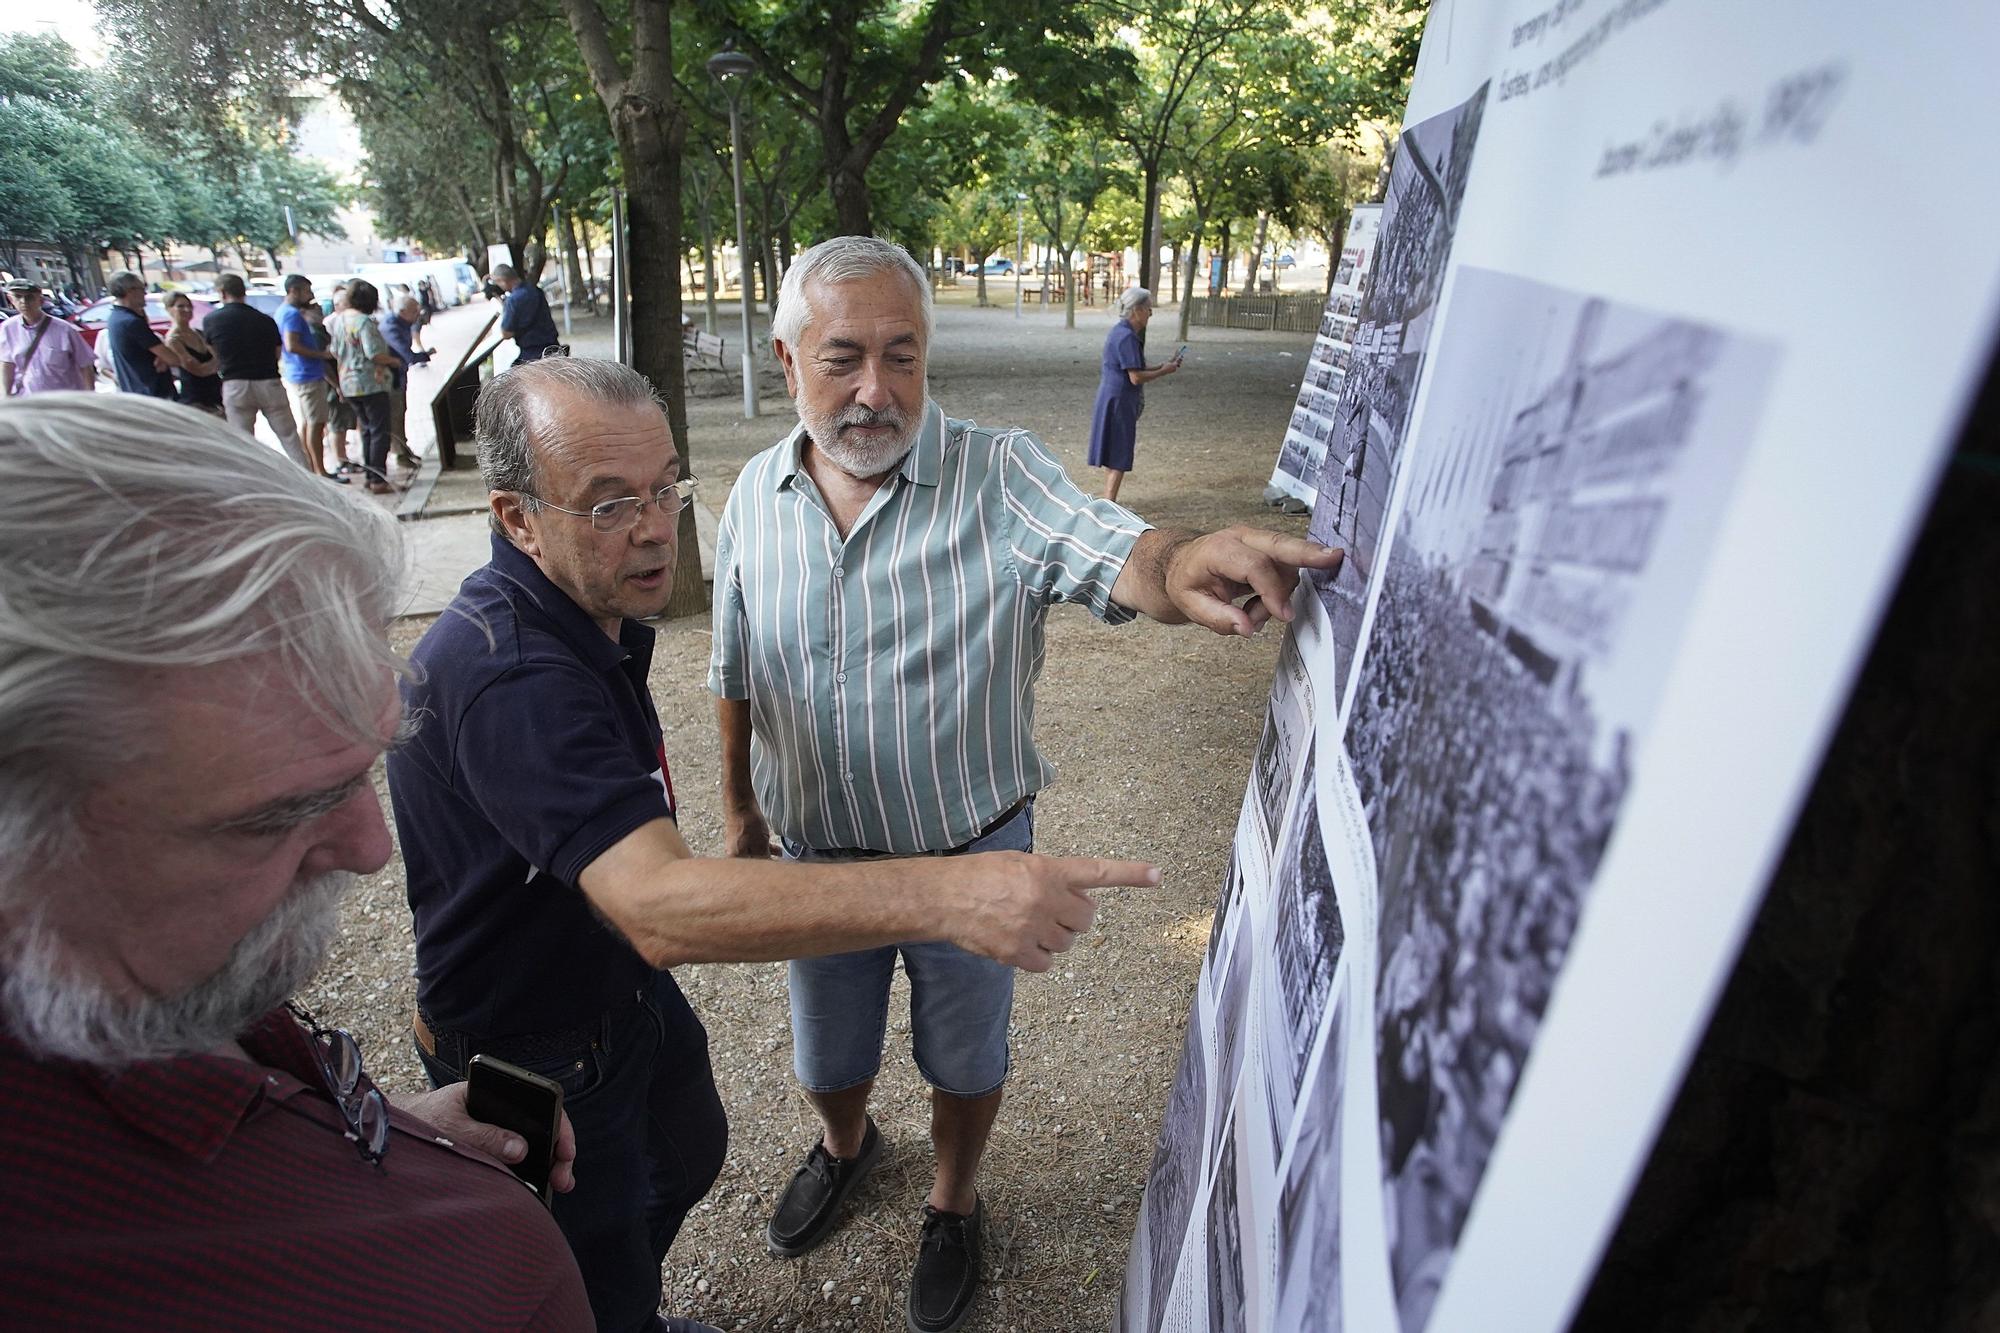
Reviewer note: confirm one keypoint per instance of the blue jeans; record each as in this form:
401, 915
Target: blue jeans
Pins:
650, 1139
960, 1003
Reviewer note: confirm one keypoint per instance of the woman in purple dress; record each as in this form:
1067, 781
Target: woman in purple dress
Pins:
1114, 422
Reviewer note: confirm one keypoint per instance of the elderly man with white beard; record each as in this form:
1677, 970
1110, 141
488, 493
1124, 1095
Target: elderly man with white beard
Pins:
882, 575
194, 690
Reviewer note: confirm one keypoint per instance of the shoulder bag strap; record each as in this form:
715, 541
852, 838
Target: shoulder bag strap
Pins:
21, 371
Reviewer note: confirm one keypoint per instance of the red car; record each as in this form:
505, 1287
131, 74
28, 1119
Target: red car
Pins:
95, 315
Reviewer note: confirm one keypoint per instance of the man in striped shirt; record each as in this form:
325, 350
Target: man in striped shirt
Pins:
882, 575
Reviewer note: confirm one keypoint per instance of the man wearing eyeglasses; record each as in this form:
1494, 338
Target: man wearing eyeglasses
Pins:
190, 714
548, 880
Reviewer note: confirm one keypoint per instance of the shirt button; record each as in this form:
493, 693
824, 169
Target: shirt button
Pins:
840, 676
847, 777
838, 572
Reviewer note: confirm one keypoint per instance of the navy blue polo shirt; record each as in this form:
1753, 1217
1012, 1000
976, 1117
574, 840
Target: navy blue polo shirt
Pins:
525, 314
132, 344
535, 751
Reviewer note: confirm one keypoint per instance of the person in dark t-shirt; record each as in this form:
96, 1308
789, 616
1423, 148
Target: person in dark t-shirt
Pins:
248, 342
142, 362
524, 314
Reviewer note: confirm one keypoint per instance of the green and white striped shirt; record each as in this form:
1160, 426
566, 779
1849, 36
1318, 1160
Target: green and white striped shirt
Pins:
891, 676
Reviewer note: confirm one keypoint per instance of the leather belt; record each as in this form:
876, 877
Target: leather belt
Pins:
423, 1031
1005, 818
519, 1046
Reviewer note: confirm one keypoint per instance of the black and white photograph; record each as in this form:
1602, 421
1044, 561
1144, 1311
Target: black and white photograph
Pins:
1573, 465
1225, 905
1308, 1237
1175, 1176
1287, 721
1307, 936
1228, 982
1358, 471
1228, 1306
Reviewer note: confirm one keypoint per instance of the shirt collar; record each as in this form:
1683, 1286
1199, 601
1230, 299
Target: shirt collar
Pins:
568, 620
924, 464
194, 1103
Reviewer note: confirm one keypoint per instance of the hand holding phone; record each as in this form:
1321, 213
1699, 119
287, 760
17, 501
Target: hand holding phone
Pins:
1181, 355
521, 1103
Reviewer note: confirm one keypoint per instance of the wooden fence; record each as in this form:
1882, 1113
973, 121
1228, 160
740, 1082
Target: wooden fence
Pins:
1288, 314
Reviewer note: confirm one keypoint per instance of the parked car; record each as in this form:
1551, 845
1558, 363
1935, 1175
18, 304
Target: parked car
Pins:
1000, 267
1285, 261
97, 314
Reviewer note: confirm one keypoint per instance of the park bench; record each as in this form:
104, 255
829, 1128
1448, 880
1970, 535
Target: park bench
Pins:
702, 351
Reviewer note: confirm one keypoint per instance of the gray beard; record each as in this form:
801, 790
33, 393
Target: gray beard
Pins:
59, 1013
862, 461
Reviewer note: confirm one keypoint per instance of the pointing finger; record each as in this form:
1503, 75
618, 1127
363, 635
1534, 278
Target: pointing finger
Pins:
1292, 550
1091, 872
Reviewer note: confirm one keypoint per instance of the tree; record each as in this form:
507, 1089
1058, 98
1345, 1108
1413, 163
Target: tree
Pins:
1069, 172
1178, 41
1332, 179
650, 129
854, 70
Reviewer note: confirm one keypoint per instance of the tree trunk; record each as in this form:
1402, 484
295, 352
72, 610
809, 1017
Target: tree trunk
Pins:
852, 212
1257, 247
767, 259
1222, 248
589, 262
1069, 288
649, 127
649, 157
1149, 223
577, 289
708, 258
1193, 273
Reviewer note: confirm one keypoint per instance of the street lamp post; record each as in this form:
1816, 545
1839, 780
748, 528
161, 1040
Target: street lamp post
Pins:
1019, 238
726, 66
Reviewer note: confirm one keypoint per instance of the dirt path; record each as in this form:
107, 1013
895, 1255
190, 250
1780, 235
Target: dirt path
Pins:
1152, 729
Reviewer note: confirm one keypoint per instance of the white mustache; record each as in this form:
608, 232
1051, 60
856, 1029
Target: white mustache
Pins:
862, 416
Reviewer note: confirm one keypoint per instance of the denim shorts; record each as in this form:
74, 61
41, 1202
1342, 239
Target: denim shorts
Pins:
960, 1003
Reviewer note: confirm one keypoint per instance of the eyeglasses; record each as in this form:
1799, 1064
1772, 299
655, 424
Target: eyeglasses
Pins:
622, 514
361, 1104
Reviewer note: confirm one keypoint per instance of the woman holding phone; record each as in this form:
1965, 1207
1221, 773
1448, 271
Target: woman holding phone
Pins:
1114, 422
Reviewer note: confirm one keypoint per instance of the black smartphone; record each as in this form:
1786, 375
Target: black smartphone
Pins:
524, 1103
1182, 354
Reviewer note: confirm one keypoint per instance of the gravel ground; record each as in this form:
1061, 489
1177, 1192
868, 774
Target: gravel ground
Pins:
1152, 728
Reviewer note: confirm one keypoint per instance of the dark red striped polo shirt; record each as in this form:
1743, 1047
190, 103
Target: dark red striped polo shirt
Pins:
207, 1193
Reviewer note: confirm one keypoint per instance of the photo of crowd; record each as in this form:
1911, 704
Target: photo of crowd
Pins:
1228, 1308
1307, 936
1229, 988
1171, 1185
1287, 721
1357, 474
1509, 673
1232, 893
1488, 819
1309, 1231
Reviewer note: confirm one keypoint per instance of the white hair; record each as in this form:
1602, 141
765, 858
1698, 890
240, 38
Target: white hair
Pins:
142, 534
844, 259
1131, 299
